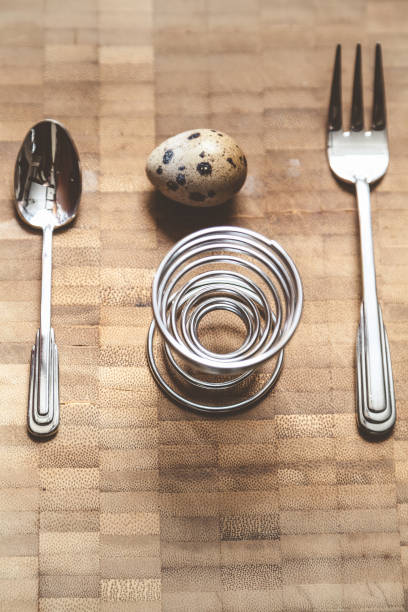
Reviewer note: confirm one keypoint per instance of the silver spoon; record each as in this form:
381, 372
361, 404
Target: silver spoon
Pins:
47, 184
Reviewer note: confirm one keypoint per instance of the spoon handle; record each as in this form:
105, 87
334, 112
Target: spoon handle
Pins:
43, 402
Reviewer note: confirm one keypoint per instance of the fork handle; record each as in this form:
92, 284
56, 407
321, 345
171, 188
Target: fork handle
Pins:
374, 373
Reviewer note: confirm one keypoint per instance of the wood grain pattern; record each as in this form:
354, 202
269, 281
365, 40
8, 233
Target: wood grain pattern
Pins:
136, 504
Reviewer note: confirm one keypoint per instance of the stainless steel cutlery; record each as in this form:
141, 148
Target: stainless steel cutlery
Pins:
361, 157
47, 183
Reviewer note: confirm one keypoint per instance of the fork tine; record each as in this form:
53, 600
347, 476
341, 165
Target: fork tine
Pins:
379, 115
357, 113
335, 114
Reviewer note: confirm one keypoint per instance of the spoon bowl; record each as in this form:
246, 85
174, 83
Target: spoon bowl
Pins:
47, 177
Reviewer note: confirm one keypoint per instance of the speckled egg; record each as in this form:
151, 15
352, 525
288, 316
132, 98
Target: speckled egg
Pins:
200, 167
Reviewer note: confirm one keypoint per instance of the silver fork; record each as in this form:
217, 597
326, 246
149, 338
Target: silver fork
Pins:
361, 157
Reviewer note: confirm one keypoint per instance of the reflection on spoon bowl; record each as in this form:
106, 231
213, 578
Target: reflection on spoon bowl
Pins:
47, 178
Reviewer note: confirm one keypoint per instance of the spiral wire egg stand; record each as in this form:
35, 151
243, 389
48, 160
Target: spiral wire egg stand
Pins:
222, 269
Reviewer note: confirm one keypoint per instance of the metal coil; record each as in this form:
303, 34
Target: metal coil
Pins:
228, 269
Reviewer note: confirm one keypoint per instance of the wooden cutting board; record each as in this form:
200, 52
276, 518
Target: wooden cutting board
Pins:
136, 504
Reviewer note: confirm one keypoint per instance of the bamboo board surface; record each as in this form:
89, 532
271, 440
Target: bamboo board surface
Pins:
137, 504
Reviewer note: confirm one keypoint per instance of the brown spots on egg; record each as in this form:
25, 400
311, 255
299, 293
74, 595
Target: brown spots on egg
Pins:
172, 185
196, 196
204, 168
168, 156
